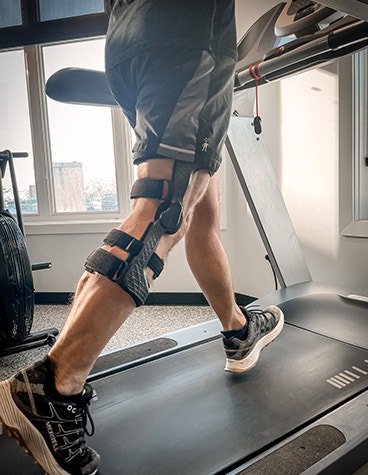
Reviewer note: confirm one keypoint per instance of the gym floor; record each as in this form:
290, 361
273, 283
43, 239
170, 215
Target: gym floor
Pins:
145, 323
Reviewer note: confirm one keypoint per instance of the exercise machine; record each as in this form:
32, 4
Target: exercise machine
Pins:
167, 407
16, 281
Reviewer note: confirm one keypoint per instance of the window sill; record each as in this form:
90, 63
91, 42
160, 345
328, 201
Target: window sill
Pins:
357, 229
93, 226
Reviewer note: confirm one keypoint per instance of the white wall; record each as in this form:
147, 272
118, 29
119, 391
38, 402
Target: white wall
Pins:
315, 163
305, 133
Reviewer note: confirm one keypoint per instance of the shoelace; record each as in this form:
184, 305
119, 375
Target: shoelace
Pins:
252, 309
262, 318
84, 402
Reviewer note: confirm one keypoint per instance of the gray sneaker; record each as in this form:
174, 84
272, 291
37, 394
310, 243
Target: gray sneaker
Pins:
51, 430
263, 327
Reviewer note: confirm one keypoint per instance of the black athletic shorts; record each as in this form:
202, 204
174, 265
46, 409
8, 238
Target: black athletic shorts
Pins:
179, 104
177, 98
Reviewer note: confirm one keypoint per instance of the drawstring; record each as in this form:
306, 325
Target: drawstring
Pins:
85, 399
87, 417
257, 122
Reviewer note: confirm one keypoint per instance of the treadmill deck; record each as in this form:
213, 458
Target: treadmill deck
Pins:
182, 414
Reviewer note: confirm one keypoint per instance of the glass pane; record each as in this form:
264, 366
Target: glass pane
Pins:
10, 13
15, 130
81, 138
55, 9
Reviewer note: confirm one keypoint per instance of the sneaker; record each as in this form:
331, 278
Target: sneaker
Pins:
51, 430
263, 328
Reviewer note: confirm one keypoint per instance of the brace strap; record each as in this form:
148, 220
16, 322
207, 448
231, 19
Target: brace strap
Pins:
110, 266
152, 188
133, 246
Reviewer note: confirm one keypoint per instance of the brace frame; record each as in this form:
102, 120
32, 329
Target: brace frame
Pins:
130, 274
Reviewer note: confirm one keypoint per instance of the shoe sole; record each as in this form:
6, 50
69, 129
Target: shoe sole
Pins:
249, 362
27, 436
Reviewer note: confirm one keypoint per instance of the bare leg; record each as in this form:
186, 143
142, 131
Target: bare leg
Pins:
101, 306
208, 260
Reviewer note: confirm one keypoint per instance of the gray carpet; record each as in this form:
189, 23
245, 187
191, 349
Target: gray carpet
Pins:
145, 323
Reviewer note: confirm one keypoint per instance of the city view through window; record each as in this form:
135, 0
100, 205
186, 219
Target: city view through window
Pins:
82, 160
81, 138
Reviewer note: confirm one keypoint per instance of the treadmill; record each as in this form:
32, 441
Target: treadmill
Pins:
166, 407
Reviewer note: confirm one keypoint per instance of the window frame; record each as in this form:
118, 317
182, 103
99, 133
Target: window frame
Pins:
353, 147
360, 82
31, 36
47, 221
33, 31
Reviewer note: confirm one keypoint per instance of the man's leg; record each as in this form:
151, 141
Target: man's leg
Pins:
43, 403
100, 305
208, 260
246, 332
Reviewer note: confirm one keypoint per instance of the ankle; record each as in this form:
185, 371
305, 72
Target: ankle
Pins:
237, 322
68, 390
63, 383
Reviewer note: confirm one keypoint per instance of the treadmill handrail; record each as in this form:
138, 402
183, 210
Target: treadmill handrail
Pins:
301, 57
356, 8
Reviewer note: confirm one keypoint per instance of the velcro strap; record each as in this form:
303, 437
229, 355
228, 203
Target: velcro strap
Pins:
124, 241
156, 264
104, 263
107, 264
152, 188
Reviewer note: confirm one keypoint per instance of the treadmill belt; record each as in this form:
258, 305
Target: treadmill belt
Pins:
183, 414
299, 454
332, 315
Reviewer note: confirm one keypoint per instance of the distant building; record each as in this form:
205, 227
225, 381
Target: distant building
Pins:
32, 192
69, 186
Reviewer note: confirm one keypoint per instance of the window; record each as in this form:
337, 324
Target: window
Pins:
81, 170
354, 194
15, 130
361, 137
81, 138
10, 13
56, 9
61, 181
30, 22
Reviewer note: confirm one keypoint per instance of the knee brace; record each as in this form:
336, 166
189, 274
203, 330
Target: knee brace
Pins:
130, 274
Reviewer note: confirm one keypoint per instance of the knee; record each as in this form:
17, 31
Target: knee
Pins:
156, 168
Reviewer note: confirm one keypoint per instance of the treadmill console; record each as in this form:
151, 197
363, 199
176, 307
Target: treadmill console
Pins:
301, 17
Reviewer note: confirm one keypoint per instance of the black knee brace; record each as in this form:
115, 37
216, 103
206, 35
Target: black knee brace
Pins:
130, 275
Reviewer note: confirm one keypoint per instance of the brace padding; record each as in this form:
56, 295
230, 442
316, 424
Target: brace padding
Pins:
152, 188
